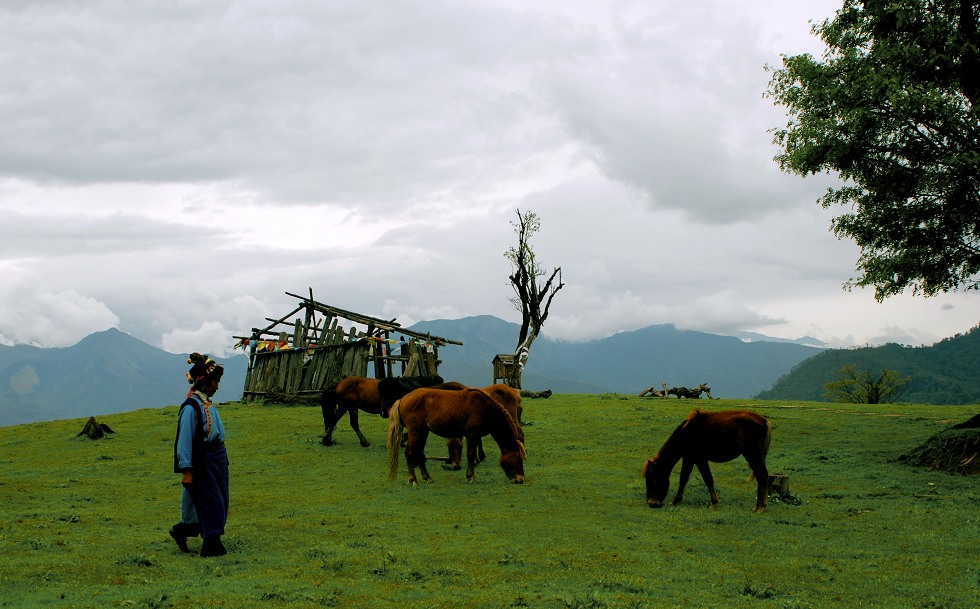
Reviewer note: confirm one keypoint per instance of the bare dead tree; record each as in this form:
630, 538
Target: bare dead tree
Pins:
533, 294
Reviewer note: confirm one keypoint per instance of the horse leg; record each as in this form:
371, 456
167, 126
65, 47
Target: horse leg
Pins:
410, 462
356, 427
420, 455
686, 467
471, 451
761, 474
455, 448
709, 481
481, 456
415, 455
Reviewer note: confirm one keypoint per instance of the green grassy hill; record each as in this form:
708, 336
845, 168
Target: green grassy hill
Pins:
944, 373
84, 523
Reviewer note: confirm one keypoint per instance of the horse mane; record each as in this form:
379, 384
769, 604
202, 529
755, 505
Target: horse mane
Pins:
646, 466
514, 427
697, 412
675, 436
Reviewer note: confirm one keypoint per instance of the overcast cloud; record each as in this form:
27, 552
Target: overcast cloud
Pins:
173, 168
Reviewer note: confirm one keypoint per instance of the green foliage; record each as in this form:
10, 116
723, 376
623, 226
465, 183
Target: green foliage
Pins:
944, 373
313, 526
856, 386
892, 109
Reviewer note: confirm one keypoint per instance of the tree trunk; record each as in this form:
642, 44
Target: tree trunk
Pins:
520, 358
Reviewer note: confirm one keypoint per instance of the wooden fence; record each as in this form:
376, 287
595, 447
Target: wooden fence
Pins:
304, 362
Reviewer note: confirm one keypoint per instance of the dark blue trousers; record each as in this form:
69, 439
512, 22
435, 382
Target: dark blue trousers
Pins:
210, 490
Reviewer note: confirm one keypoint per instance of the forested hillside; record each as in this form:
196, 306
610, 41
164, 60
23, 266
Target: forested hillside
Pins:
944, 373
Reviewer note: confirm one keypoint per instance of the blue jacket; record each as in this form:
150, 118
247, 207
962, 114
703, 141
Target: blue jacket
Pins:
194, 432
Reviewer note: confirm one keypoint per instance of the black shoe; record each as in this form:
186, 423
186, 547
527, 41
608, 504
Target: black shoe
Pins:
180, 536
212, 546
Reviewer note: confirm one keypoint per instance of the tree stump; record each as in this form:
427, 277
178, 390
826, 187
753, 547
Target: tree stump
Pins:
94, 430
778, 484
779, 490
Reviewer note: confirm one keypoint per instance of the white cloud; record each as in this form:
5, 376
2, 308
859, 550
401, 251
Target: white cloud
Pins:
50, 319
182, 165
210, 337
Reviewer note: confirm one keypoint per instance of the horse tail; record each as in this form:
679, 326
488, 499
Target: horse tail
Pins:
394, 439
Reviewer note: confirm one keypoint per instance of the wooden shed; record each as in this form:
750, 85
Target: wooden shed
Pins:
503, 367
323, 344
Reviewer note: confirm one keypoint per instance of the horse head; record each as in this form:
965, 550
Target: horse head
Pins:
512, 462
658, 482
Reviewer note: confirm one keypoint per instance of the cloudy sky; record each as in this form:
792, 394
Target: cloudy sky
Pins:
171, 169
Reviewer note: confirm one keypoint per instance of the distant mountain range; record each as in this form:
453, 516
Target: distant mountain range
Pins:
944, 373
110, 371
628, 362
105, 372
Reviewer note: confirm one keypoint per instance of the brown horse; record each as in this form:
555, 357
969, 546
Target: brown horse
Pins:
508, 397
355, 393
469, 413
711, 436
349, 395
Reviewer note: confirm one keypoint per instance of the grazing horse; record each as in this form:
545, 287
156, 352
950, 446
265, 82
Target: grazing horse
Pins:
349, 395
509, 398
469, 413
711, 436
359, 393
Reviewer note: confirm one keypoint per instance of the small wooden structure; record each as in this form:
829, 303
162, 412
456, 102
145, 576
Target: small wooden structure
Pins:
503, 367
317, 351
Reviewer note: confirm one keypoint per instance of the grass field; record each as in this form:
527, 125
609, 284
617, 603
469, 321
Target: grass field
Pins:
84, 523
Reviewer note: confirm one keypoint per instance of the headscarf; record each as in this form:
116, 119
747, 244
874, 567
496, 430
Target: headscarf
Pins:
203, 368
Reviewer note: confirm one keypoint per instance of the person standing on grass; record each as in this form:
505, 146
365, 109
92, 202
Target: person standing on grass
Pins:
199, 454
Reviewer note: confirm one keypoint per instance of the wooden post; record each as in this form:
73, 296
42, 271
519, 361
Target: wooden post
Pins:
299, 334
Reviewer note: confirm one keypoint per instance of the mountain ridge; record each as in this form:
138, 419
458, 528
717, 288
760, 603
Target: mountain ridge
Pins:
626, 362
111, 371
104, 373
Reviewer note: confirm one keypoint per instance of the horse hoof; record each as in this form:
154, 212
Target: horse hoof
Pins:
365, 444
326, 442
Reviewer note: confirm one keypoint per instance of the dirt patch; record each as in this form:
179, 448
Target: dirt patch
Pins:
956, 449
